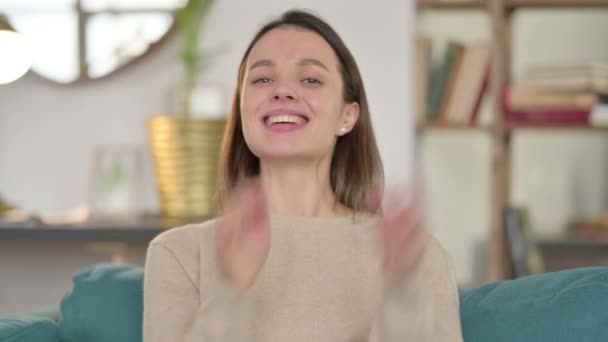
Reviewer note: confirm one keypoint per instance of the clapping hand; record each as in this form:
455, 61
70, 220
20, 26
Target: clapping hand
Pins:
400, 231
243, 234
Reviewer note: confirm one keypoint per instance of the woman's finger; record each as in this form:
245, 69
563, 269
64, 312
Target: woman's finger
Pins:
414, 251
402, 259
401, 231
398, 222
408, 220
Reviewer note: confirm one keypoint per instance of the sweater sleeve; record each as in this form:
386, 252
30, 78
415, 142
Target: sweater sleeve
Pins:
175, 310
422, 306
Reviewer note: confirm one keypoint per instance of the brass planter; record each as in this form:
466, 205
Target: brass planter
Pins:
185, 154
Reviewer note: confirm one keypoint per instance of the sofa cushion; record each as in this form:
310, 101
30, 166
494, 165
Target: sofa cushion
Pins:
105, 305
28, 328
566, 306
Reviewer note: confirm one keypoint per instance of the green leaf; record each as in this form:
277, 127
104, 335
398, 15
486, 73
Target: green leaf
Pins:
190, 19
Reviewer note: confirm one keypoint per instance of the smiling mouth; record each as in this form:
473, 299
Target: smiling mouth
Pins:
285, 119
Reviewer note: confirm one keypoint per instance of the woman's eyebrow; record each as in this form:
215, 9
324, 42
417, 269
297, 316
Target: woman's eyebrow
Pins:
312, 61
261, 63
304, 61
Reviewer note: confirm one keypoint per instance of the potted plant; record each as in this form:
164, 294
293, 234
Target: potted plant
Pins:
185, 145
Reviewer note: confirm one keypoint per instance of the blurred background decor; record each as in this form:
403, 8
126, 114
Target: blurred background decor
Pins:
79, 40
185, 145
5, 207
16, 61
16, 53
115, 184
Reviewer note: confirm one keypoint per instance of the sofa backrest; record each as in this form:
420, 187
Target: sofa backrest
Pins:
28, 328
566, 306
106, 305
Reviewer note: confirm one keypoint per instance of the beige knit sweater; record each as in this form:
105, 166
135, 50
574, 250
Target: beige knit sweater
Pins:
322, 282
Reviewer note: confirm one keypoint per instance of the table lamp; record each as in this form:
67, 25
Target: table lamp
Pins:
16, 55
15, 60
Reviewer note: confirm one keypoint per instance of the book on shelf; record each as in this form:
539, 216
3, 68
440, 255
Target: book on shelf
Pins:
549, 117
526, 257
599, 115
520, 98
533, 107
457, 84
422, 64
591, 228
471, 76
440, 77
449, 86
589, 232
589, 77
558, 95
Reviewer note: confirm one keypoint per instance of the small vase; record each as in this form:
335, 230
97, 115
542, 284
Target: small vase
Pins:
186, 155
185, 151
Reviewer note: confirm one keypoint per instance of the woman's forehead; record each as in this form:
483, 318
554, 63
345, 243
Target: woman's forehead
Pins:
292, 44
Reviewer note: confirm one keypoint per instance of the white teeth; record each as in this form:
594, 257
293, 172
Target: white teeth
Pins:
295, 119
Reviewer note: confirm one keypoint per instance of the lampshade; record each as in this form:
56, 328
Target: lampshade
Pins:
16, 56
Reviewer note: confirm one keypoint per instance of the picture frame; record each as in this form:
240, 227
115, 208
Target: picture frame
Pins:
115, 181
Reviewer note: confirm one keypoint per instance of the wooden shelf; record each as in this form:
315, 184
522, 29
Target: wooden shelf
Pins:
452, 4
60, 233
513, 4
567, 252
144, 229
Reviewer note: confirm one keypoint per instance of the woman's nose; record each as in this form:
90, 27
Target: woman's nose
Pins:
284, 93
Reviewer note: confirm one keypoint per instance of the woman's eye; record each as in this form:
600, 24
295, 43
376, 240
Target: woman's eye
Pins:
310, 80
262, 80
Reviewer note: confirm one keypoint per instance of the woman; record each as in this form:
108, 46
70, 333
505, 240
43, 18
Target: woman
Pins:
300, 253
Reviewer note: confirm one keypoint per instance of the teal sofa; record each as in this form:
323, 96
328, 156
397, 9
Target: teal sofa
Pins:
105, 305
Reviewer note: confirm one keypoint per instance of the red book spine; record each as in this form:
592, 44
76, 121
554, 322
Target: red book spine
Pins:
562, 116
549, 117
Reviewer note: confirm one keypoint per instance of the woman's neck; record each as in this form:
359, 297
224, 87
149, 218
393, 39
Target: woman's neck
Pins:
298, 188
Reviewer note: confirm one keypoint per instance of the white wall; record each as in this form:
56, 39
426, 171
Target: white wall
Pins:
558, 175
47, 131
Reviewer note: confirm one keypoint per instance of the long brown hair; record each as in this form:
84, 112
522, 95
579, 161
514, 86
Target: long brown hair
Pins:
356, 168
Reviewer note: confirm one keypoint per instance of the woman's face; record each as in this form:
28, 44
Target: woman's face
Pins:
291, 97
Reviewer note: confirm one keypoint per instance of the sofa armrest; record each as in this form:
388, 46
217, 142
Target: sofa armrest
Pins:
566, 306
28, 328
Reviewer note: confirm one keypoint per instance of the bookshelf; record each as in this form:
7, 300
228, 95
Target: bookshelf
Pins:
499, 13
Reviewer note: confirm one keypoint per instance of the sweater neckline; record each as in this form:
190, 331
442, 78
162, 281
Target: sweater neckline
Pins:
353, 218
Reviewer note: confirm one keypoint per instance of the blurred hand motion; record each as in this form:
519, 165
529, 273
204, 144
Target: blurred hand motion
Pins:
243, 235
400, 229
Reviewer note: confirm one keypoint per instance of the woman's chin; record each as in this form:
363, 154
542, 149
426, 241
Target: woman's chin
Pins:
282, 154
285, 154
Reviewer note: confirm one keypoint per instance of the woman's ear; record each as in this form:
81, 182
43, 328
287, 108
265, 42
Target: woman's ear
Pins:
350, 115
